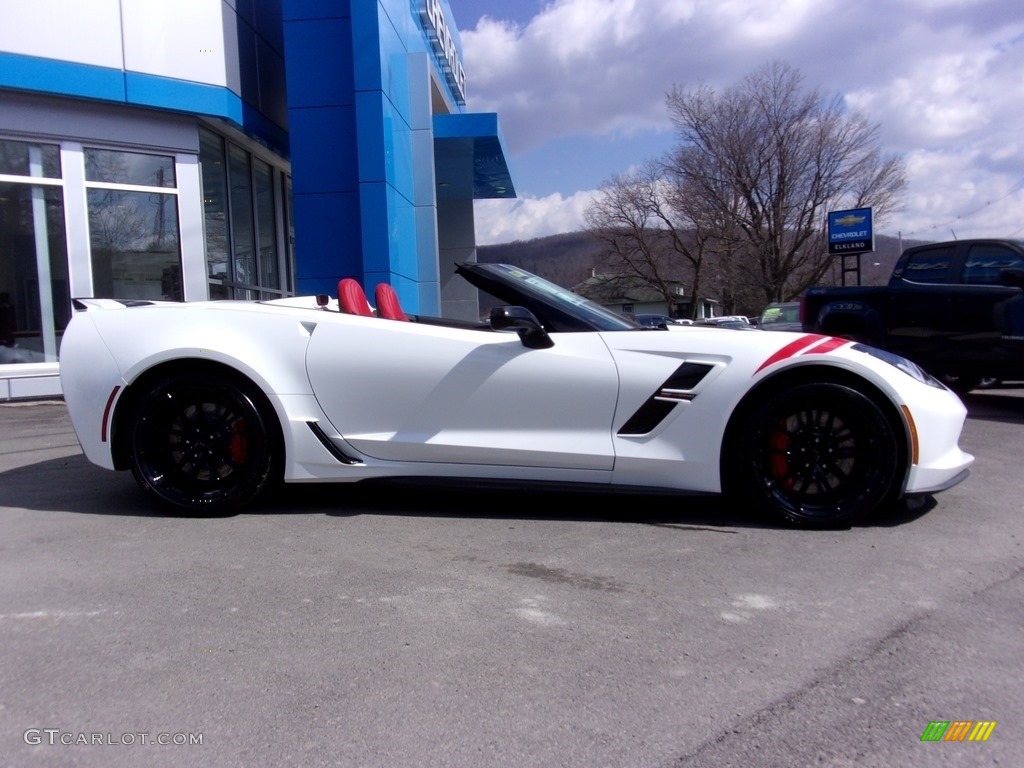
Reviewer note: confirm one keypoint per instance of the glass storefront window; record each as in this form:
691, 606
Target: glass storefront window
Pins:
289, 230
242, 221
241, 216
133, 238
215, 211
128, 205
117, 167
21, 158
35, 305
133, 234
266, 231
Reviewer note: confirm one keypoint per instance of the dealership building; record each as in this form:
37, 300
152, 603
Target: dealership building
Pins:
230, 149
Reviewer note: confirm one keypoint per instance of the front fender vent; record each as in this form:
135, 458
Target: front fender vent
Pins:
679, 386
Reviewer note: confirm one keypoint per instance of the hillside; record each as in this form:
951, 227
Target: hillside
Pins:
570, 258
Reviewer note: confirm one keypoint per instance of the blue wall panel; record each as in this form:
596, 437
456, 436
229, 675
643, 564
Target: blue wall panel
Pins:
331, 248
359, 75
315, 9
325, 160
181, 95
320, 56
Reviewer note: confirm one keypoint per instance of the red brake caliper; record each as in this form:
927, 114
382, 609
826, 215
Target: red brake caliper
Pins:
779, 443
239, 445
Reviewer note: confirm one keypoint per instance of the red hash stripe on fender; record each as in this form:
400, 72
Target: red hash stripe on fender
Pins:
791, 349
818, 345
827, 346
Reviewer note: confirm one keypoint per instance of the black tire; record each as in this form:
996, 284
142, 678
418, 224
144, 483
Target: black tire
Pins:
818, 455
200, 445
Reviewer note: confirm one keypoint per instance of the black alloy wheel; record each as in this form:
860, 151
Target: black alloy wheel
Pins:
200, 445
819, 454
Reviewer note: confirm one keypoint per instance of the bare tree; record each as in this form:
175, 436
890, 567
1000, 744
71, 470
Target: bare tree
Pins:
771, 159
739, 204
651, 231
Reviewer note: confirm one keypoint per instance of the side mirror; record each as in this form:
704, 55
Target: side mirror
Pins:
525, 323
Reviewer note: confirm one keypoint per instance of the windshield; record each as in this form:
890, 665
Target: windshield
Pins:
558, 308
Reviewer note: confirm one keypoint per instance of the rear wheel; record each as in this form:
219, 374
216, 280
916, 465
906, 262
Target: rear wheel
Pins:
200, 445
818, 454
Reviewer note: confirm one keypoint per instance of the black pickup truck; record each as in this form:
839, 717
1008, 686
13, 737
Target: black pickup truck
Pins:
955, 308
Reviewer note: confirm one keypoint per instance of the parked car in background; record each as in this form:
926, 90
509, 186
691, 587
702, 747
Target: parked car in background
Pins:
654, 321
738, 322
781, 316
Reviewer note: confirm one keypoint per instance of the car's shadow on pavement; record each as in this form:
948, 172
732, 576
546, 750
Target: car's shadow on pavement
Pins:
73, 485
501, 501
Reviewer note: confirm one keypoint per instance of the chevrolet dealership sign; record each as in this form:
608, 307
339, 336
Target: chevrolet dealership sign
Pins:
850, 232
439, 30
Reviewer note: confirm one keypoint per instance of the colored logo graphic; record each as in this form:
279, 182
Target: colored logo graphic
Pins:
958, 730
849, 220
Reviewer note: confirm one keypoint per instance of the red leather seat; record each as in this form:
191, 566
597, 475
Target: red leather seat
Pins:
388, 305
352, 299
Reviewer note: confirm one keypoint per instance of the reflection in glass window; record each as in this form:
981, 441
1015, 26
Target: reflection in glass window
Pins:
118, 167
242, 221
985, 262
215, 210
22, 158
266, 232
34, 303
241, 216
928, 266
289, 231
134, 244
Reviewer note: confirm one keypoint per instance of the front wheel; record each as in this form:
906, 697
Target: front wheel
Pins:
200, 445
818, 454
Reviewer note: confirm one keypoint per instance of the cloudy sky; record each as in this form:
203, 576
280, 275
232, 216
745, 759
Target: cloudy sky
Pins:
579, 87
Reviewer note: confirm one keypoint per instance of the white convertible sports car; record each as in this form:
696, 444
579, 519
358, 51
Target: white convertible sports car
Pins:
208, 403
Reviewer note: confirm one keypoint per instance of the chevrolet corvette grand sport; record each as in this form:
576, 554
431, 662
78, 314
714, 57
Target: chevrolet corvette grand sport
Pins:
209, 403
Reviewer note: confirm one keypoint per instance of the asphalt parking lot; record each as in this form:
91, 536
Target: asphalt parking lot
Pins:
384, 626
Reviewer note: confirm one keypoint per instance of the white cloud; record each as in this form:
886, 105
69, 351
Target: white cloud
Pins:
942, 78
504, 221
947, 198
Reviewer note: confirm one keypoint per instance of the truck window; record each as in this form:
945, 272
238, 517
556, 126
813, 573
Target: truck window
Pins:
928, 266
984, 263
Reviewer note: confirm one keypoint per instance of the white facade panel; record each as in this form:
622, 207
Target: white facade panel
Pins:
32, 387
180, 39
64, 30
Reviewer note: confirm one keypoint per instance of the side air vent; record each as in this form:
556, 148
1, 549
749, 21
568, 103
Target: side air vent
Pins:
329, 445
649, 415
686, 377
679, 386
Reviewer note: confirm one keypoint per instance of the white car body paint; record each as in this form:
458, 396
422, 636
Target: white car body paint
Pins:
424, 400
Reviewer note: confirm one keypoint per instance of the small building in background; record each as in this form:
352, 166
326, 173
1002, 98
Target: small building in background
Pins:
631, 295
